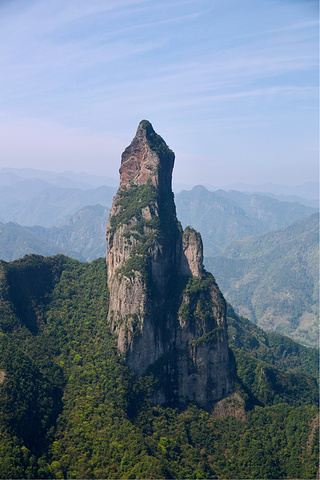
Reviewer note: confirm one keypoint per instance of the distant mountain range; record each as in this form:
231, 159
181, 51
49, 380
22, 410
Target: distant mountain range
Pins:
35, 202
83, 237
306, 193
223, 216
219, 216
11, 176
46, 213
307, 190
273, 279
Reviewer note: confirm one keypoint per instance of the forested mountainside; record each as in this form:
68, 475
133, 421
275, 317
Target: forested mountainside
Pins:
224, 216
124, 370
70, 408
273, 279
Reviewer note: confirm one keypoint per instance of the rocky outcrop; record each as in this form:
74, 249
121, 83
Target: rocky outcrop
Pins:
192, 253
147, 158
167, 313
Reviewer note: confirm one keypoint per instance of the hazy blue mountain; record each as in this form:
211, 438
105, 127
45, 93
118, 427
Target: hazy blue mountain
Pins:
295, 199
306, 193
273, 279
83, 237
308, 190
33, 202
218, 218
84, 234
223, 216
90, 179
271, 212
25, 173
17, 241
8, 178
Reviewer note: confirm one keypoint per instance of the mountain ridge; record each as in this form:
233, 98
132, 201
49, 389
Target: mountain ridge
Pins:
221, 216
82, 237
273, 277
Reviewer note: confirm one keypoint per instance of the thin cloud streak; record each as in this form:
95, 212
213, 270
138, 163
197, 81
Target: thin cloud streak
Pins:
99, 65
75, 56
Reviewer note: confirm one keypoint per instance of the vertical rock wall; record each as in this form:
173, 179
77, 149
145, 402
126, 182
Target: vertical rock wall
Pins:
167, 313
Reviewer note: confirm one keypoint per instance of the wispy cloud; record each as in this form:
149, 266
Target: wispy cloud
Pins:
95, 65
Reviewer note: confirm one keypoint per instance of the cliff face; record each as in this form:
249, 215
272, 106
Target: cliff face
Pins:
166, 311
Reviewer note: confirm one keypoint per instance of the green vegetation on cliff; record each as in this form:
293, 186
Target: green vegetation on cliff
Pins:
157, 144
71, 409
132, 201
197, 305
135, 203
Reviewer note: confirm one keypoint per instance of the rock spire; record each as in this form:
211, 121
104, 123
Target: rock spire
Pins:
167, 313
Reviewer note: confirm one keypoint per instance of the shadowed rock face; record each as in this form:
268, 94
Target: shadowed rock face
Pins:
167, 313
192, 253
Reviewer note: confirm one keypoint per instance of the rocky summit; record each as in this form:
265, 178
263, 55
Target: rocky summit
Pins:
166, 311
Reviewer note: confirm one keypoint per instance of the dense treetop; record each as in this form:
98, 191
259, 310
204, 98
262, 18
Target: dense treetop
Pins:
71, 409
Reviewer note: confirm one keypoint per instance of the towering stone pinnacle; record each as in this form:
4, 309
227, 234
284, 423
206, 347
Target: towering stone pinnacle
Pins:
167, 313
147, 157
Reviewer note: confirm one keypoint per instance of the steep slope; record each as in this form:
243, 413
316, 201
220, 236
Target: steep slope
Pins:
273, 279
166, 311
273, 348
224, 216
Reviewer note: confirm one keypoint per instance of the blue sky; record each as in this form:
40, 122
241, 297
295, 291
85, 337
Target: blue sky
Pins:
231, 85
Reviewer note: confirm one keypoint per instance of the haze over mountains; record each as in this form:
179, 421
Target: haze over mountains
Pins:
18, 186
219, 216
33, 197
223, 216
82, 237
305, 193
48, 213
11, 176
273, 279
34, 202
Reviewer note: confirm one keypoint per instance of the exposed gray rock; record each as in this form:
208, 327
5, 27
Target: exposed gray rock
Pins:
192, 256
167, 313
